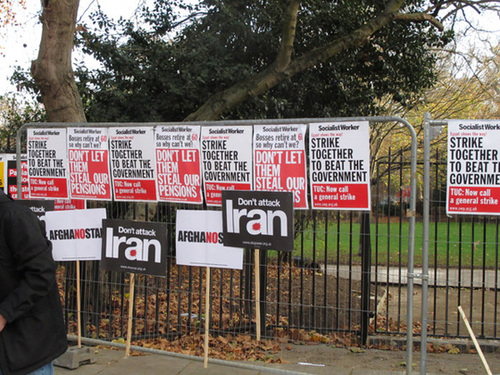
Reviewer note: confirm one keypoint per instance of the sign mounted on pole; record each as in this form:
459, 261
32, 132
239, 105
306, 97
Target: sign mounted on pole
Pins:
88, 163
75, 234
226, 155
258, 219
133, 164
280, 160
339, 165
133, 246
199, 241
473, 179
178, 164
47, 162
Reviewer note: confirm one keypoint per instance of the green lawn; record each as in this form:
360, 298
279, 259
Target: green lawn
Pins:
455, 245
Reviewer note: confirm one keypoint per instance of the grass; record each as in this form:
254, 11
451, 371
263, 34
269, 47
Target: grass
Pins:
460, 244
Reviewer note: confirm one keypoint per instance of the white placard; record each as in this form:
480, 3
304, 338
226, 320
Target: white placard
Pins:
75, 234
199, 241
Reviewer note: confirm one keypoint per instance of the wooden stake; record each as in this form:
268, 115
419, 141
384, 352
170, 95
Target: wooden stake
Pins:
78, 305
207, 316
474, 340
257, 292
130, 313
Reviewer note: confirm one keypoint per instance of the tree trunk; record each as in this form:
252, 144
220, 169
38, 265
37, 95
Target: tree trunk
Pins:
52, 70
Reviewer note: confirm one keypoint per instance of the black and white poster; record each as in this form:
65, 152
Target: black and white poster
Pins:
132, 246
258, 219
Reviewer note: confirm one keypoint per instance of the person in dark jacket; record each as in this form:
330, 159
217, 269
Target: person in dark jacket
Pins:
32, 330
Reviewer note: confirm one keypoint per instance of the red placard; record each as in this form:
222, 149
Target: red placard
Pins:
280, 160
178, 164
88, 163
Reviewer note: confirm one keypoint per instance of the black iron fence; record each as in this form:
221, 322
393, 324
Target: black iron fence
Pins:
346, 277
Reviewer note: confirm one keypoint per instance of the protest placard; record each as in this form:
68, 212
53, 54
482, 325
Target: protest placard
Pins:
88, 163
339, 165
258, 219
226, 154
12, 181
280, 160
47, 163
473, 178
133, 246
199, 241
75, 234
178, 164
133, 164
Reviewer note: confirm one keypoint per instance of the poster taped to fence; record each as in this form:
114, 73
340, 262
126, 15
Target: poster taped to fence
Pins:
75, 234
339, 165
226, 155
133, 246
47, 163
473, 179
88, 163
178, 164
10, 176
133, 164
280, 160
199, 241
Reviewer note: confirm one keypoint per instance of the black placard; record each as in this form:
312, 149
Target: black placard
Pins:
131, 246
258, 219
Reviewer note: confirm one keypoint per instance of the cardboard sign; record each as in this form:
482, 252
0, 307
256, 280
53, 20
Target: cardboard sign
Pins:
47, 163
339, 165
178, 164
75, 235
89, 164
132, 246
280, 160
258, 219
133, 164
199, 241
226, 154
473, 179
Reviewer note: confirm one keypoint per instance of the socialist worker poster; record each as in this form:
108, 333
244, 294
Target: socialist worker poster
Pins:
339, 165
133, 163
178, 164
280, 160
47, 163
226, 155
473, 178
89, 164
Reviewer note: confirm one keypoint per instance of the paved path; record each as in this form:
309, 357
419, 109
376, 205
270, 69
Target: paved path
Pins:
441, 277
323, 360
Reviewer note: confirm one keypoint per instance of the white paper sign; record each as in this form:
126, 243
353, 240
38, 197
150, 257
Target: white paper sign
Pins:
75, 235
199, 241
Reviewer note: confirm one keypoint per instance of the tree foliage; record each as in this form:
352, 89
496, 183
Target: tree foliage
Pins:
160, 71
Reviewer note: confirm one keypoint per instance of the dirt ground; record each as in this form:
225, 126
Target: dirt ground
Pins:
321, 359
480, 308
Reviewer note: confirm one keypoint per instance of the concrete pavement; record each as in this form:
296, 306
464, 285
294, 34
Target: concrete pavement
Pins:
113, 362
324, 359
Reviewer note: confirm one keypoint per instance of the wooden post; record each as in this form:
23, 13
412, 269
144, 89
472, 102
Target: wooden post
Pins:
207, 316
78, 305
257, 293
130, 313
474, 340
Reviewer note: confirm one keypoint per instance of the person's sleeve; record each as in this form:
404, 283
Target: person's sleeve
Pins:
32, 254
